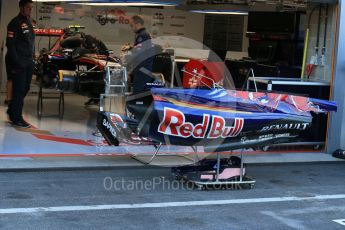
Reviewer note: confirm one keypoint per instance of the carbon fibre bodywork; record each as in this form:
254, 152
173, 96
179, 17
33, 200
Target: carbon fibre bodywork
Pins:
75, 63
217, 119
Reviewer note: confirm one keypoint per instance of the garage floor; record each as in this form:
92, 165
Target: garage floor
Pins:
75, 135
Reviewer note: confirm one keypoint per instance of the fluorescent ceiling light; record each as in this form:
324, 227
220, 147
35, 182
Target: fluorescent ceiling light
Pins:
126, 3
61, 0
233, 12
122, 4
113, 3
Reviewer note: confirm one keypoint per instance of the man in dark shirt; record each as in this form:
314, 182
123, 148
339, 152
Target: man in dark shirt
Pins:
19, 60
142, 57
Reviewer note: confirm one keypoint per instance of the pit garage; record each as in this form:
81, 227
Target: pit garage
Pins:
258, 47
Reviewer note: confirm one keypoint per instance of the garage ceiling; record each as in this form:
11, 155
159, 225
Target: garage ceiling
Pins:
252, 5
226, 5
248, 5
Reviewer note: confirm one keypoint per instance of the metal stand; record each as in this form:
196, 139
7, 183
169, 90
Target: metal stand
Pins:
156, 153
115, 86
243, 180
194, 175
218, 167
250, 72
153, 156
40, 98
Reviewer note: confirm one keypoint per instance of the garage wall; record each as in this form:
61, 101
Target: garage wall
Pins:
99, 21
336, 134
8, 11
110, 24
321, 72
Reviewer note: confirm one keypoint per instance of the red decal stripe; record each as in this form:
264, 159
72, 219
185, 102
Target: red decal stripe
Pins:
240, 127
230, 132
62, 139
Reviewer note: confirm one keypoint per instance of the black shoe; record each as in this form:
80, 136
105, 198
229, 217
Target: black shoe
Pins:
96, 101
89, 102
92, 101
8, 114
339, 153
21, 124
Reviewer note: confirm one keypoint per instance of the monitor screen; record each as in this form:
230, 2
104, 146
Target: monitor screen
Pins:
271, 22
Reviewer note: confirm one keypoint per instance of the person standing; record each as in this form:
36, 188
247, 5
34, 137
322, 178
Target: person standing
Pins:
142, 55
20, 60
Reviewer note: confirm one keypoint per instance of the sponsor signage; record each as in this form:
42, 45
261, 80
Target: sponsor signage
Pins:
113, 16
49, 32
174, 123
108, 126
267, 137
291, 126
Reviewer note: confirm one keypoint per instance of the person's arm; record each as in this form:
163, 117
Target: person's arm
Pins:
126, 47
12, 34
34, 36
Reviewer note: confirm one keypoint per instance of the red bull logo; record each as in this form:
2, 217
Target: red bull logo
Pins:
174, 124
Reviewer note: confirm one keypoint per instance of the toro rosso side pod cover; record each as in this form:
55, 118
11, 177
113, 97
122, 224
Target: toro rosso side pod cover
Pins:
227, 119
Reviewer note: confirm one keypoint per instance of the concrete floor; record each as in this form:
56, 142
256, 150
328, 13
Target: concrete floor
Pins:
285, 196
